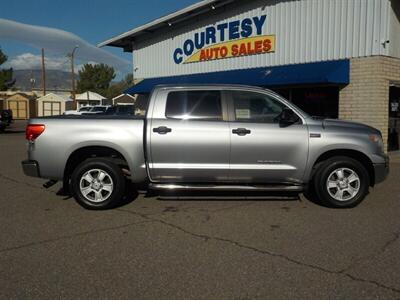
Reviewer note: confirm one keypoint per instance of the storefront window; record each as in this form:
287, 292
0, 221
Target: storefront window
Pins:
317, 101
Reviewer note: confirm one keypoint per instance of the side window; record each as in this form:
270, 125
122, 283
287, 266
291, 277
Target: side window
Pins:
194, 105
85, 108
256, 107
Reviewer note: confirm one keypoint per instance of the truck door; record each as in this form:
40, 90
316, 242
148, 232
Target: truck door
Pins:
262, 150
189, 137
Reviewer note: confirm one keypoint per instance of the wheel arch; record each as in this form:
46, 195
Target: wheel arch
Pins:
354, 154
83, 153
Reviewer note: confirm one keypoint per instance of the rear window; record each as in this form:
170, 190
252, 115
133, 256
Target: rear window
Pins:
194, 105
141, 104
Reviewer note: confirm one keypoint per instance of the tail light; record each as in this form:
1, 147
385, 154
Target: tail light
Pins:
33, 131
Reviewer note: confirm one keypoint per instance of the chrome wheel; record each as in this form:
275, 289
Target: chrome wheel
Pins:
343, 184
96, 185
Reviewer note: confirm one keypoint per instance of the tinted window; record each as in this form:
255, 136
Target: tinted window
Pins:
99, 109
111, 110
256, 107
141, 104
126, 110
194, 105
85, 108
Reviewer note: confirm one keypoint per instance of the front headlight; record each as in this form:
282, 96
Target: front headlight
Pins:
376, 139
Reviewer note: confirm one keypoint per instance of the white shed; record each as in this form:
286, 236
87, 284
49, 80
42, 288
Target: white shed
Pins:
124, 99
51, 105
89, 98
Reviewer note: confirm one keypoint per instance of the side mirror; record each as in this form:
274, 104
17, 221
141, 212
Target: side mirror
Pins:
288, 117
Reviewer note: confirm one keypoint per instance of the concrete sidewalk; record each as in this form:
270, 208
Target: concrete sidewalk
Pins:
394, 157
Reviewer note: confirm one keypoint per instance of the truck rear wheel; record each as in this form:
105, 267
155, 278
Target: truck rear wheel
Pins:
341, 182
98, 184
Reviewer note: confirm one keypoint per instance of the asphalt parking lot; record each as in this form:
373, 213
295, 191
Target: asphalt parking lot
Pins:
225, 248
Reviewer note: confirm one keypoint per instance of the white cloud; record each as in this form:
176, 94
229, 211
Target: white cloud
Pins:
58, 43
30, 61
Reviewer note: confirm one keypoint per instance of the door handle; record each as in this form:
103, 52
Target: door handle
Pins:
162, 130
241, 131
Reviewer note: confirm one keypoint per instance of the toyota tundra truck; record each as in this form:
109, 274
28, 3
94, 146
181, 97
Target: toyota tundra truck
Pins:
207, 138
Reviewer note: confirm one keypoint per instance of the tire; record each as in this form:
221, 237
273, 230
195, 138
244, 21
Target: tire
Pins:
98, 184
341, 182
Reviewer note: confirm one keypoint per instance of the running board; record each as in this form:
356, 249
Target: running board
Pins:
205, 187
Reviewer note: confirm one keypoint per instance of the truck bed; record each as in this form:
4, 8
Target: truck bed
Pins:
65, 134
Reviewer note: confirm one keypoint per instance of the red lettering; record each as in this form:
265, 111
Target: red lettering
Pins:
224, 51
243, 50
203, 55
267, 45
209, 54
216, 52
235, 50
250, 50
258, 46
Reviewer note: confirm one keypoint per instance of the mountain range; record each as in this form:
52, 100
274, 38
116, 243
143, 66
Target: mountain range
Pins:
55, 79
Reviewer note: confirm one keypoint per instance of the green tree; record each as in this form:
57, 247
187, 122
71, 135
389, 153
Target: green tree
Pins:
6, 75
96, 78
119, 87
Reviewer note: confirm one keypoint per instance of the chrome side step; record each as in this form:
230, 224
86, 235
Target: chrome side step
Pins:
208, 187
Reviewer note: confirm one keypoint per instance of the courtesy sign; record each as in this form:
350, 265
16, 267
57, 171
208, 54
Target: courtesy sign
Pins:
237, 38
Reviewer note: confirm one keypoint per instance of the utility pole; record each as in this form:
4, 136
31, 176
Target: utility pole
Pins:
73, 76
43, 74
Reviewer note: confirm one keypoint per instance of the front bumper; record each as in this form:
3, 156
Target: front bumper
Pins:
381, 171
31, 168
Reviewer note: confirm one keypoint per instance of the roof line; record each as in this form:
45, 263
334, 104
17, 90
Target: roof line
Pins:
123, 94
158, 21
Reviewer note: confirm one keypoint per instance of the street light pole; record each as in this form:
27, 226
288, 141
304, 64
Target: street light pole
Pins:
73, 76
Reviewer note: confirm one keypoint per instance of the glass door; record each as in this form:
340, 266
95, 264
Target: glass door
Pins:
394, 118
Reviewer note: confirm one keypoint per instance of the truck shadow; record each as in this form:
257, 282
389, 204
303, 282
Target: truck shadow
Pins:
8, 131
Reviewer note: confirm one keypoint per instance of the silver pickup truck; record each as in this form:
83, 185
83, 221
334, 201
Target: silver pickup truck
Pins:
207, 137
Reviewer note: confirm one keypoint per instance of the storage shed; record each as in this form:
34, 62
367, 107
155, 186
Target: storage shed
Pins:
124, 99
89, 98
22, 105
52, 105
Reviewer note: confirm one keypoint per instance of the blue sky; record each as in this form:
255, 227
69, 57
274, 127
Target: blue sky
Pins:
92, 20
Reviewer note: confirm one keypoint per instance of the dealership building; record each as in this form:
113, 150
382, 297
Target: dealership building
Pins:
332, 58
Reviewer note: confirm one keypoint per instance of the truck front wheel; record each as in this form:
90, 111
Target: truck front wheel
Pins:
98, 184
341, 182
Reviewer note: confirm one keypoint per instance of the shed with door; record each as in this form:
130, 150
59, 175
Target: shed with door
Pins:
23, 106
52, 105
89, 98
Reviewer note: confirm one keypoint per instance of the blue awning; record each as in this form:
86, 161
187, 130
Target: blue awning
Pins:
329, 72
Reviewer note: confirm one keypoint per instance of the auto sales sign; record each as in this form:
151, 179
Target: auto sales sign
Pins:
235, 39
